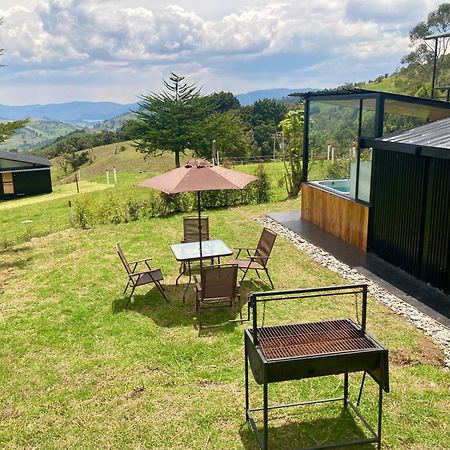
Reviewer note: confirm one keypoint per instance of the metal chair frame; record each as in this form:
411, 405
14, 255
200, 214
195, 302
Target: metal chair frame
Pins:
136, 279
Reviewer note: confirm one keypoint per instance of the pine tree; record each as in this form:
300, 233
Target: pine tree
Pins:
168, 121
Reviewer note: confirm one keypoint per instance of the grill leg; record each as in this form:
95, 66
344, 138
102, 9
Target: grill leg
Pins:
345, 389
361, 388
266, 418
380, 414
246, 384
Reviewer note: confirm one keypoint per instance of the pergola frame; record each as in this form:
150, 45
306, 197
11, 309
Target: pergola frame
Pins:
430, 109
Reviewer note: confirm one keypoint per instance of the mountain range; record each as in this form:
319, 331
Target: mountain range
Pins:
72, 112
85, 113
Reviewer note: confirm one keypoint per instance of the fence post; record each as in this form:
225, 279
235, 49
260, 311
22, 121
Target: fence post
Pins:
72, 222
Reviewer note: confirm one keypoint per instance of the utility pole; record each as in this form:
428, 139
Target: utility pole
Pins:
436, 38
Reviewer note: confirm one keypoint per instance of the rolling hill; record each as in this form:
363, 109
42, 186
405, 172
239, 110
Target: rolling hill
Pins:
122, 156
37, 134
277, 94
72, 112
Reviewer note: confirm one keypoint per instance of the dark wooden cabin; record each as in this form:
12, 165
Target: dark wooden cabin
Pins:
22, 174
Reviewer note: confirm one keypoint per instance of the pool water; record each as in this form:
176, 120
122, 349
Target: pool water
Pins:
341, 186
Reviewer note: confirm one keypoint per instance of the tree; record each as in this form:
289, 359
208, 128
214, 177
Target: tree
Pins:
224, 101
263, 117
168, 121
420, 59
292, 129
7, 129
232, 139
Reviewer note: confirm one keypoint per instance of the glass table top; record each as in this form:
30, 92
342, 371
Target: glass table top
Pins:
191, 250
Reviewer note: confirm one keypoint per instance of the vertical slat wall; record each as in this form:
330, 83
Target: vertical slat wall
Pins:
409, 224
435, 257
397, 201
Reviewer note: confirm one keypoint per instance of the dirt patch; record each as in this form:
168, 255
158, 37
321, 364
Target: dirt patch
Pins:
137, 392
426, 352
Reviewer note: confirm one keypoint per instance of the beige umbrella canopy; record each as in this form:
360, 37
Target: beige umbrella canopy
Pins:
198, 175
195, 176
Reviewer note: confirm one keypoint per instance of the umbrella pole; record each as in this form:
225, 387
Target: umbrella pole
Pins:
200, 233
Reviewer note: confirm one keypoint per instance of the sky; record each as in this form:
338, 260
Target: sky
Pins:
56, 51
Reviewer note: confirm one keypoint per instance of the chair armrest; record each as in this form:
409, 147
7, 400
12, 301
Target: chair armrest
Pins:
240, 249
140, 260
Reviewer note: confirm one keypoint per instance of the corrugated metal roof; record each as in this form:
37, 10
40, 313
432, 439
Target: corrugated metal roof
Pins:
433, 134
25, 169
338, 91
22, 157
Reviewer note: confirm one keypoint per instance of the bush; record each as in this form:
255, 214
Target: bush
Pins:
83, 213
339, 169
112, 207
262, 186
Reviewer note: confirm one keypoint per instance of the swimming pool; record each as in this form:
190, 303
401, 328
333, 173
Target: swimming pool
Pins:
341, 187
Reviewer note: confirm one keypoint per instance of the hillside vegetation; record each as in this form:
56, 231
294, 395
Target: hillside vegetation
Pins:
123, 156
37, 134
409, 80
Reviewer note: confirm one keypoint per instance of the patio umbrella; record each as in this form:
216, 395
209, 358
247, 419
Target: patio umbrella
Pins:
196, 176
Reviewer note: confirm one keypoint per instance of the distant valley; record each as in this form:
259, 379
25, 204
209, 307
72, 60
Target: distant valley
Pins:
48, 122
37, 134
86, 113
79, 113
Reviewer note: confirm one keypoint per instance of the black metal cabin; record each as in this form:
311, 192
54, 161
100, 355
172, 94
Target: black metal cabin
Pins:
398, 200
22, 174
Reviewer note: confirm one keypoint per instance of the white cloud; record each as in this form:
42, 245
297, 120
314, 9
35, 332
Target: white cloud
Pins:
68, 39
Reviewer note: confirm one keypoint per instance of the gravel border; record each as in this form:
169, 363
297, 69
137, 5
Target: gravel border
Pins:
436, 330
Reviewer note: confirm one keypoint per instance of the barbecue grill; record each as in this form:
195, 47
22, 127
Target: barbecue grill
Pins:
296, 351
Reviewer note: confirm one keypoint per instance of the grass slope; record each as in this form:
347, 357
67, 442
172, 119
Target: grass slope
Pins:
123, 156
79, 371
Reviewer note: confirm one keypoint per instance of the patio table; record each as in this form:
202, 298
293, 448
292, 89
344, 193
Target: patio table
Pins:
190, 251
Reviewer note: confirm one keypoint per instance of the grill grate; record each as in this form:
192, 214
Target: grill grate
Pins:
311, 339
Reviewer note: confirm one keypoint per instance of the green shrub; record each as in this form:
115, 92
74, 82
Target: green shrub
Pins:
84, 213
262, 186
112, 206
339, 169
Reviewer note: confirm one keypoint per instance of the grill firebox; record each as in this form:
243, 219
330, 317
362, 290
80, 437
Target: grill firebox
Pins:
305, 350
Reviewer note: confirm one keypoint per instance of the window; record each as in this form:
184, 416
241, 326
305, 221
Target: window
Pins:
8, 183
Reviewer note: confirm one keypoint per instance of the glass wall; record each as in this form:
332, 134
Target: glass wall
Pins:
333, 135
333, 144
401, 115
335, 126
363, 176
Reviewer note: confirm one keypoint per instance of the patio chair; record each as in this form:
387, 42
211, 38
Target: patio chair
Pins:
190, 234
190, 229
256, 258
218, 287
146, 276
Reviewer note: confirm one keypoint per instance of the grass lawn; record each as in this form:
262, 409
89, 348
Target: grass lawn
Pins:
79, 371
24, 218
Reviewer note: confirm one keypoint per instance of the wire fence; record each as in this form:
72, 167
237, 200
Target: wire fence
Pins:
248, 159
